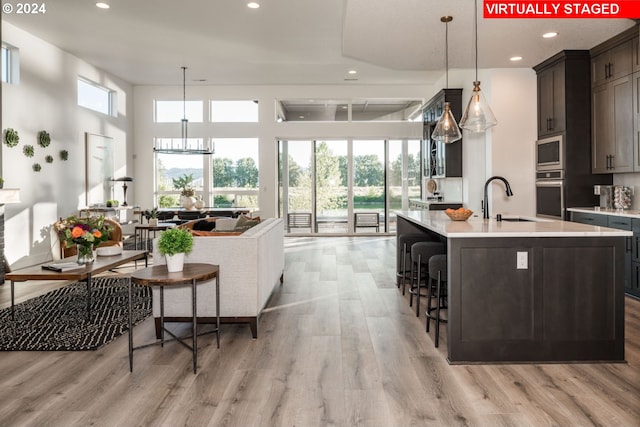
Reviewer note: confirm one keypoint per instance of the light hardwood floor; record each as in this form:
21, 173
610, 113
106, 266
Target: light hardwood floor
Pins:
338, 346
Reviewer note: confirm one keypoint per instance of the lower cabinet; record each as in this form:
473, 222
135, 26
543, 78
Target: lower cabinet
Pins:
632, 253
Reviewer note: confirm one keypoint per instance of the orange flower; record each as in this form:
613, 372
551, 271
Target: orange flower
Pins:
77, 232
97, 234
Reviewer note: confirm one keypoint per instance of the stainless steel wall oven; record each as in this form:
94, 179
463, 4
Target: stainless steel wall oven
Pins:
550, 194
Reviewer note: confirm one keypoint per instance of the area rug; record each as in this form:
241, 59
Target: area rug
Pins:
57, 320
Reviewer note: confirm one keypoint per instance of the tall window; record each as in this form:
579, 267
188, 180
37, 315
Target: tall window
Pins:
333, 180
235, 172
180, 168
95, 97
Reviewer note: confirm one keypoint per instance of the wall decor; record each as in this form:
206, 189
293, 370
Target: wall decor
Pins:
28, 150
44, 139
64, 155
99, 168
11, 137
49, 159
36, 167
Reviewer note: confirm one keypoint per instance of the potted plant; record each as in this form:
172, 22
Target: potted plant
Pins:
174, 243
152, 216
187, 192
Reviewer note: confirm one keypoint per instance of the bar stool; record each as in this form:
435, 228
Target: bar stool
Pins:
437, 283
405, 241
421, 253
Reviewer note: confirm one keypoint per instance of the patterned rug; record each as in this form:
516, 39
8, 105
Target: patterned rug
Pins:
58, 320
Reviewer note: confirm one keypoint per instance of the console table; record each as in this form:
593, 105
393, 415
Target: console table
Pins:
159, 276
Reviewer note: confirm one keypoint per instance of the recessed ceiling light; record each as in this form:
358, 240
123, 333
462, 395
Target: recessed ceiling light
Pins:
550, 35
253, 5
102, 5
301, 117
353, 72
515, 58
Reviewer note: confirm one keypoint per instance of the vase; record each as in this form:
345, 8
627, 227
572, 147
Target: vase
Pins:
199, 203
188, 202
175, 263
85, 254
153, 222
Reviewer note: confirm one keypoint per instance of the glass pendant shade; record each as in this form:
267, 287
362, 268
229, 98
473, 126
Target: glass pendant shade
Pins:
478, 116
446, 129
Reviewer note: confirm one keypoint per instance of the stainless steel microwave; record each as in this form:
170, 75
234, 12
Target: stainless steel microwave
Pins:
550, 153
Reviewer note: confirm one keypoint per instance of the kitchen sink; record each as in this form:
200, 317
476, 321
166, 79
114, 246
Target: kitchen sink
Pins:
517, 220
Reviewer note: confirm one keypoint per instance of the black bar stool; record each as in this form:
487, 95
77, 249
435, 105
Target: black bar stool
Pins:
437, 284
421, 253
405, 241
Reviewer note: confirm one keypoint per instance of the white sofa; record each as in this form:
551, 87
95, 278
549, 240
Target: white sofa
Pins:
251, 265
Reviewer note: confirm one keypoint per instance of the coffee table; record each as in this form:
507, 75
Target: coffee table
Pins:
158, 275
82, 273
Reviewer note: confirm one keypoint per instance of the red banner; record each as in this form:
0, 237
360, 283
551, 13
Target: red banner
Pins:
561, 9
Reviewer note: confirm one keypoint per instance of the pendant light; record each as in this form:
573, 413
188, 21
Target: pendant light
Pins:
478, 116
183, 145
446, 129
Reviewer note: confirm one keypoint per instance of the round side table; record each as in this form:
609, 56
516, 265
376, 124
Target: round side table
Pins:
159, 276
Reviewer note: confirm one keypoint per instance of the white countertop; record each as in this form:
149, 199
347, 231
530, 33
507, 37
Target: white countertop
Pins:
476, 226
604, 211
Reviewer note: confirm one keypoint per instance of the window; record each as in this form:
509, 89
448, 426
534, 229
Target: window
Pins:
235, 172
10, 64
175, 111
356, 110
179, 167
97, 98
234, 111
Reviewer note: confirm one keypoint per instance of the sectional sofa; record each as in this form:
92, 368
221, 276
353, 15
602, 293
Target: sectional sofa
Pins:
251, 266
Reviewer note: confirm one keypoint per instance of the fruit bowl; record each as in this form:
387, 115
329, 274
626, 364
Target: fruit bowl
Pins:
458, 214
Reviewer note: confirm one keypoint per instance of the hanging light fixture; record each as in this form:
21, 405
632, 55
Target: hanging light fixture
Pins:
446, 129
183, 145
478, 116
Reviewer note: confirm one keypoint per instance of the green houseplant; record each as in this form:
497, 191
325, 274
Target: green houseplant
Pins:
151, 216
175, 243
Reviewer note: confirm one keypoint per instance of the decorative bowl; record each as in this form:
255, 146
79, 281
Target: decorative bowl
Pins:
109, 250
457, 215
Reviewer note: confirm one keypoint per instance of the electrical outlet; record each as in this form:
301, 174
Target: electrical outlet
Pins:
522, 262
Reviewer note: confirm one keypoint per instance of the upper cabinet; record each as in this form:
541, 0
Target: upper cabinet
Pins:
551, 99
441, 160
614, 95
613, 63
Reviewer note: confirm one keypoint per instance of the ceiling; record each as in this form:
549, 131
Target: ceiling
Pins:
306, 42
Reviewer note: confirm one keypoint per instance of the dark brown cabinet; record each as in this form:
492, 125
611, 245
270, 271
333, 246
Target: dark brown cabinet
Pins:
613, 116
613, 63
441, 160
612, 135
551, 100
632, 252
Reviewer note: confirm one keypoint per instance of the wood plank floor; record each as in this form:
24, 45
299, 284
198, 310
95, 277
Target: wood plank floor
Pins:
338, 346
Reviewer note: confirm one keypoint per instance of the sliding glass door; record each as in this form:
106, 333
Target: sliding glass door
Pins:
346, 186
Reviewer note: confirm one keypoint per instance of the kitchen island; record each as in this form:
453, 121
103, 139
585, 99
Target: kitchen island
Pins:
529, 290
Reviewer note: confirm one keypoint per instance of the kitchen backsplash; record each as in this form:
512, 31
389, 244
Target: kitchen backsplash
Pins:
449, 188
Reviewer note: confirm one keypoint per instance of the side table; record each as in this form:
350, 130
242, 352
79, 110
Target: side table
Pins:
159, 276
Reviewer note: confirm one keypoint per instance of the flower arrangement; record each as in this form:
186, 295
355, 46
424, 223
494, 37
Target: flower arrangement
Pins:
86, 233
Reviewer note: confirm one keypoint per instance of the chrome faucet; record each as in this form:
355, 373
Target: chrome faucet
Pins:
485, 201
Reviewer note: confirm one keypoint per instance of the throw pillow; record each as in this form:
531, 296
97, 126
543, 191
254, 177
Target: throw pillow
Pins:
203, 225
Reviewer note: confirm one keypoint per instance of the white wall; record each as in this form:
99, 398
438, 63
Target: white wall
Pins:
46, 99
513, 95
506, 149
268, 131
